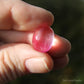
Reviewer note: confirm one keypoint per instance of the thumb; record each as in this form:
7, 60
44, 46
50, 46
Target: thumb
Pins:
20, 59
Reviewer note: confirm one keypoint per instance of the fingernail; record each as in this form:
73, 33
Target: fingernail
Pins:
36, 65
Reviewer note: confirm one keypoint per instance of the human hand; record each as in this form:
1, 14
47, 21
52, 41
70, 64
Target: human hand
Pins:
18, 20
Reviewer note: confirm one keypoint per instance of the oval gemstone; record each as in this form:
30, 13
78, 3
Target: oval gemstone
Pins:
43, 38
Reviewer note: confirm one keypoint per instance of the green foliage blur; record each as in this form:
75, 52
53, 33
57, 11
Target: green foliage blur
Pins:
69, 23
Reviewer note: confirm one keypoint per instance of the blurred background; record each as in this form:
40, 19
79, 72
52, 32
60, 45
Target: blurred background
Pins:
69, 23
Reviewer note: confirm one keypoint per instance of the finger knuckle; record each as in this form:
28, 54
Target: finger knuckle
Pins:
7, 68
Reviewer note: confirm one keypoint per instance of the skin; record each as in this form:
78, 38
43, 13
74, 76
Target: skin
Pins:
18, 20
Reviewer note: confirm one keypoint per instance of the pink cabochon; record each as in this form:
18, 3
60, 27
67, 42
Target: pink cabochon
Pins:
43, 38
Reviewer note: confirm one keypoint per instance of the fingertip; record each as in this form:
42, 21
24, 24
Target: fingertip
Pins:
61, 62
32, 60
27, 17
60, 46
39, 65
49, 17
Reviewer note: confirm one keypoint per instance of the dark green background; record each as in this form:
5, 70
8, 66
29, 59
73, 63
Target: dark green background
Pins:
69, 23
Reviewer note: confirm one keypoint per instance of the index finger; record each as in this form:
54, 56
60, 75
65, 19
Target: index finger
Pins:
21, 16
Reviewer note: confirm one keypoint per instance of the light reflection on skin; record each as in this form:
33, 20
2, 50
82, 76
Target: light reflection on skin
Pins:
60, 47
55, 42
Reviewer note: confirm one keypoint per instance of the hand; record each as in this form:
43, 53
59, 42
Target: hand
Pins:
18, 20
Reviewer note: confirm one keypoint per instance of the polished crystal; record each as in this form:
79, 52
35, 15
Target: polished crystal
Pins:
43, 38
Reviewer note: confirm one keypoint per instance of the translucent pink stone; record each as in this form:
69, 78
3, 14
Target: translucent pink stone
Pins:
43, 38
